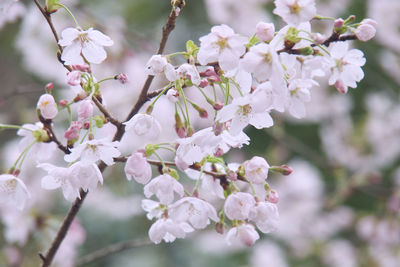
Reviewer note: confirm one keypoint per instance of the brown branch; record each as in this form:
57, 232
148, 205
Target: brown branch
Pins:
47, 16
105, 112
48, 258
112, 249
47, 125
166, 30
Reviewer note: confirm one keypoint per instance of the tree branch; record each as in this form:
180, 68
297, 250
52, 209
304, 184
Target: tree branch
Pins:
112, 249
105, 112
47, 16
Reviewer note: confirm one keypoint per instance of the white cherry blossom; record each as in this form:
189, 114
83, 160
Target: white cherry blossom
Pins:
249, 109
93, 150
164, 186
59, 177
144, 125
137, 167
195, 211
47, 106
266, 216
189, 71
158, 64
265, 31
168, 230
222, 45
244, 234
13, 191
263, 62
85, 176
295, 11
256, 170
345, 66
238, 205
89, 43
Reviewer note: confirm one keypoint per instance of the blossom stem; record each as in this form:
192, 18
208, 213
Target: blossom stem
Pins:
21, 157
185, 102
175, 54
70, 13
11, 126
161, 93
196, 186
106, 79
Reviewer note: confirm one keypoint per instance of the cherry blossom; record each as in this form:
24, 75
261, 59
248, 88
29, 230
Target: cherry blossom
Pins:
137, 167
238, 205
266, 216
195, 211
366, 31
13, 191
168, 230
59, 177
164, 186
345, 66
85, 176
295, 11
256, 170
222, 45
159, 64
189, 71
153, 208
47, 106
72, 132
89, 44
85, 109
74, 78
265, 31
244, 234
249, 109
144, 125
263, 62
93, 150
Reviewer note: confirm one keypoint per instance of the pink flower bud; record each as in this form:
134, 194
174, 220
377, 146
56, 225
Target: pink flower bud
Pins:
63, 102
49, 87
203, 83
85, 109
265, 31
73, 131
283, 169
47, 106
86, 125
232, 175
181, 131
74, 78
256, 170
365, 32
371, 22
219, 228
83, 67
272, 196
340, 86
122, 78
338, 23
218, 105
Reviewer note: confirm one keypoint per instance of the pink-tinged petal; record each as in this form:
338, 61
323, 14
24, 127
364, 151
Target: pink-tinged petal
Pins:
72, 54
94, 53
50, 183
338, 49
261, 120
228, 60
68, 36
100, 38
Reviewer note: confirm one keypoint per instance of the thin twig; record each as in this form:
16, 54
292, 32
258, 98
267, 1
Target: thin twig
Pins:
47, 16
112, 249
105, 112
169, 26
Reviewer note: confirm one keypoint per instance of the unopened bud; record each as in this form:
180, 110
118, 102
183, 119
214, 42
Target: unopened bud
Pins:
338, 23
63, 102
86, 125
219, 228
49, 87
82, 67
340, 86
203, 83
149, 109
232, 175
218, 105
272, 196
283, 169
122, 78
180, 128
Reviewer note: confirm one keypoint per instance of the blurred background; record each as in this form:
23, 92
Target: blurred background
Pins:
340, 206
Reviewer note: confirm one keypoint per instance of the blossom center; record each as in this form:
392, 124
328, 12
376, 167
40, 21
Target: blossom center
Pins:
83, 37
222, 43
245, 110
268, 58
295, 8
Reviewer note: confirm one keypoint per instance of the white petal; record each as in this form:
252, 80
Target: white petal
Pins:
100, 38
67, 36
94, 53
72, 54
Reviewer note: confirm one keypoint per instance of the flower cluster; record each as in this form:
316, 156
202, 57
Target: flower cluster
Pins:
240, 80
